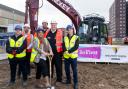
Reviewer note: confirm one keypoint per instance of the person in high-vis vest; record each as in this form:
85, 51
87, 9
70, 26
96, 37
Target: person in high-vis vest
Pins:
55, 38
70, 48
16, 49
41, 49
29, 37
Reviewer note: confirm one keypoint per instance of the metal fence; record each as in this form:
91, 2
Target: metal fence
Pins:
2, 46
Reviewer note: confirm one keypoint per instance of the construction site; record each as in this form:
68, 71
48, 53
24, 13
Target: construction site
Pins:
101, 55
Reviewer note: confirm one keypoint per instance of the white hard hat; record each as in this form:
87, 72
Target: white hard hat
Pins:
26, 25
44, 21
53, 22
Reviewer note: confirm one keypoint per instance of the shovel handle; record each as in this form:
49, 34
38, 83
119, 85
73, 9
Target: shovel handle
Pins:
50, 57
50, 60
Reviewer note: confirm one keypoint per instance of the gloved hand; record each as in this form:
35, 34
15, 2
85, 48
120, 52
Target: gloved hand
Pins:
66, 52
14, 52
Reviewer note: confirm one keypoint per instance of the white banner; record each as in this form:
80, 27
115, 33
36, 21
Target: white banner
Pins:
103, 53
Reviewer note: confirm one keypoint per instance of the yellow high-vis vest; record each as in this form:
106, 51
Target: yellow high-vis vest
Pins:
70, 44
34, 52
17, 43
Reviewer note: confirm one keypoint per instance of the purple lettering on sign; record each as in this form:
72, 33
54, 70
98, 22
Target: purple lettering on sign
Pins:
89, 52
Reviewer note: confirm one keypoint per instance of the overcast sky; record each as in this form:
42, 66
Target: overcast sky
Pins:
49, 12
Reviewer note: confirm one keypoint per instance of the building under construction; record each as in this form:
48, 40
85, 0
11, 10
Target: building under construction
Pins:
9, 16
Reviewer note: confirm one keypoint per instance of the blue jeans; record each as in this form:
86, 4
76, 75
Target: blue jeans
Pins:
73, 63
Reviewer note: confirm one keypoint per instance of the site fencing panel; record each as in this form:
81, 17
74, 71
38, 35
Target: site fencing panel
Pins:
2, 46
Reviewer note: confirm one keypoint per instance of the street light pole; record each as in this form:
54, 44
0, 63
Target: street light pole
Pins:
13, 20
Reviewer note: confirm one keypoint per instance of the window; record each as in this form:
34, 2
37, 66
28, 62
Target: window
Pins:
83, 32
121, 11
121, 14
124, 4
123, 0
123, 21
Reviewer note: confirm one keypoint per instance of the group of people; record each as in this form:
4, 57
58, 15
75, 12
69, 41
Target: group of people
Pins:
24, 48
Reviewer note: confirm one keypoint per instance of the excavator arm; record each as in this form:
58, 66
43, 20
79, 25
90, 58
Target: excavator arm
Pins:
68, 10
32, 7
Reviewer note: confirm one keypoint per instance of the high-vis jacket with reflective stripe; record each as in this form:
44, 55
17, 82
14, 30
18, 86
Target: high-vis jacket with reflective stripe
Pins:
70, 44
34, 52
59, 39
17, 43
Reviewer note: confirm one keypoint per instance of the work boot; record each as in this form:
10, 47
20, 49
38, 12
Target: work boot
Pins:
24, 83
58, 83
39, 83
11, 83
66, 82
30, 76
76, 86
47, 81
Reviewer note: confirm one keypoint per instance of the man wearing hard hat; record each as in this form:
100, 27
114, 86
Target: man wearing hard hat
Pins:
45, 25
55, 38
29, 37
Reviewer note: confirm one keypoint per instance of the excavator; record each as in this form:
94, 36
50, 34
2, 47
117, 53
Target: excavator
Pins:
92, 29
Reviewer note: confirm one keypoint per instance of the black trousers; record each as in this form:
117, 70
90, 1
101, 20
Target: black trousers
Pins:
41, 69
27, 65
57, 61
13, 66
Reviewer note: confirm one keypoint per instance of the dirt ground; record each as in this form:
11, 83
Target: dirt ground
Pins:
91, 76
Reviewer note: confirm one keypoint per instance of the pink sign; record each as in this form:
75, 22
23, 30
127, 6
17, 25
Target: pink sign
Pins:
89, 52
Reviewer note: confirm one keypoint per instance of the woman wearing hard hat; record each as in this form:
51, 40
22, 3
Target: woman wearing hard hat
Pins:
70, 48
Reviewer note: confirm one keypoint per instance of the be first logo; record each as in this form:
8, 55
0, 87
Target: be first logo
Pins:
115, 49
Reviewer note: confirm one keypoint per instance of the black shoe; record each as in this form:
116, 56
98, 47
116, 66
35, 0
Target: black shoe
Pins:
75, 86
11, 83
24, 83
66, 82
58, 83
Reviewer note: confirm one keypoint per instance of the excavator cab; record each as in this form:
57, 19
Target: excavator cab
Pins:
93, 30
